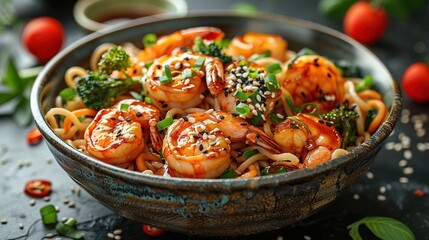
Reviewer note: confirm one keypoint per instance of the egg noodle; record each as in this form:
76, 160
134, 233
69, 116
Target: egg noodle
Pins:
208, 106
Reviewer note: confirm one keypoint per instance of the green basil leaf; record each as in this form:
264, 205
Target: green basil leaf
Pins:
6, 97
335, 9
382, 227
22, 115
12, 78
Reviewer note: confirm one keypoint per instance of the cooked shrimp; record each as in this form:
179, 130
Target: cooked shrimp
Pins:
199, 145
183, 38
253, 42
187, 85
246, 84
309, 137
116, 134
315, 79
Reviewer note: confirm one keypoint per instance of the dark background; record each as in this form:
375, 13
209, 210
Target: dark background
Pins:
406, 41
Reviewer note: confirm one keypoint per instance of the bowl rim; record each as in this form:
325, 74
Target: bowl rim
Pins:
292, 177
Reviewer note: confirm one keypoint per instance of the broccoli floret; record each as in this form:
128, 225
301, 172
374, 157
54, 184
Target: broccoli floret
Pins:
344, 119
114, 59
98, 90
211, 49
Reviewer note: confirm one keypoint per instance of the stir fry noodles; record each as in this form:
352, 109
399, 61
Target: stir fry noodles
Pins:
197, 104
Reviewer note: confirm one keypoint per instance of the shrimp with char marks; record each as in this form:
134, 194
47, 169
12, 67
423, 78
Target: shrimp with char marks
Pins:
199, 145
309, 137
116, 135
186, 85
314, 79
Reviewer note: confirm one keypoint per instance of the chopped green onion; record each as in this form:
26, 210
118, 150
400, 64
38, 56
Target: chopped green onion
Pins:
164, 80
69, 231
249, 153
148, 64
71, 222
168, 72
254, 98
223, 42
187, 74
274, 68
136, 95
165, 123
124, 107
273, 170
149, 40
364, 84
241, 95
243, 109
302, 52
67, 94
229, 173
148, 99
199, 62
256, 119
300, 123
257, 56
271, 82
274, 118
49, 214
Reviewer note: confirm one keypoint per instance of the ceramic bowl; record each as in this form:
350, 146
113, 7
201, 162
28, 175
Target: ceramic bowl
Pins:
216, 207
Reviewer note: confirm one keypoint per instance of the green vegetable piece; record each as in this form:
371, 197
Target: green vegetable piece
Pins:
168, 72
149, 40
364, 84
244, 8
274, 118
11, 77
67, 94
335, 9
199, 62
48, 214
347, 68
383, 228
255, 120
114, 59
270, 82
302, 52
257, 56
71, 222
273, 170
69, 231
188, 74
165, 123
274, 68
241, 95
136, 95
243, 109
148, 99
124, 107
229, 173
248, 154
211, 49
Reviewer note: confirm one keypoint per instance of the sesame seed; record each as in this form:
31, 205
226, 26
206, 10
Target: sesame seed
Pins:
408, 170
117, 232
64, 219
356, 196
3, 221
118, 237
32, 202
21, 226
254, 112
71, 204
191, 120
280, 116
390, 145
398, 147
110, 235
306, 237
408, 154
187, 81
279, 237
46, 199
50, 235
205, 136
382, 189
381, 198
403, 180
370, 175
403, 163
421, 132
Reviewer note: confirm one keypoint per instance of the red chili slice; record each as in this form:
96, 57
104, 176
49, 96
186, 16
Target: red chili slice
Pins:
38, 188
152, 231
34, 136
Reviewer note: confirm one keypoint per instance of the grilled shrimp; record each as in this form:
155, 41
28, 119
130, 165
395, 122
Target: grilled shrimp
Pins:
186, 86
247, 84
309, 137
198, 145
116, 135
315, 79
183, 38
253, 42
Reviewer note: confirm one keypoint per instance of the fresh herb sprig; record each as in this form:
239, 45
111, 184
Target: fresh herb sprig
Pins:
16, 86
382, 227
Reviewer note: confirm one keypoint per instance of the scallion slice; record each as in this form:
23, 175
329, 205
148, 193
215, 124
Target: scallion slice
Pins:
199, 62
124, 107
229, 173
165, 123
148, 99
49, 214
69, 231
188, 74
168, 72
248, 154
274, 68
271, 82
67, 94
241, 95
243, 109
149, 40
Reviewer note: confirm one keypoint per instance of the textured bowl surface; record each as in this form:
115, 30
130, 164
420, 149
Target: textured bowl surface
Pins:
217, 207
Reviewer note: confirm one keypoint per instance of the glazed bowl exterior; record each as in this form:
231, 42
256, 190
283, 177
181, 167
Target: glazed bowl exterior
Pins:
227, 207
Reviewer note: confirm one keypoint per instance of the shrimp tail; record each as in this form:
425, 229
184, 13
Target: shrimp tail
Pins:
214, 76
155, 136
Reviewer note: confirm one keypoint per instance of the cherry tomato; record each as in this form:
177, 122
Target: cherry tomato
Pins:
415, 82
152, 231
43, 37
34, 136
365, 23
38, 188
